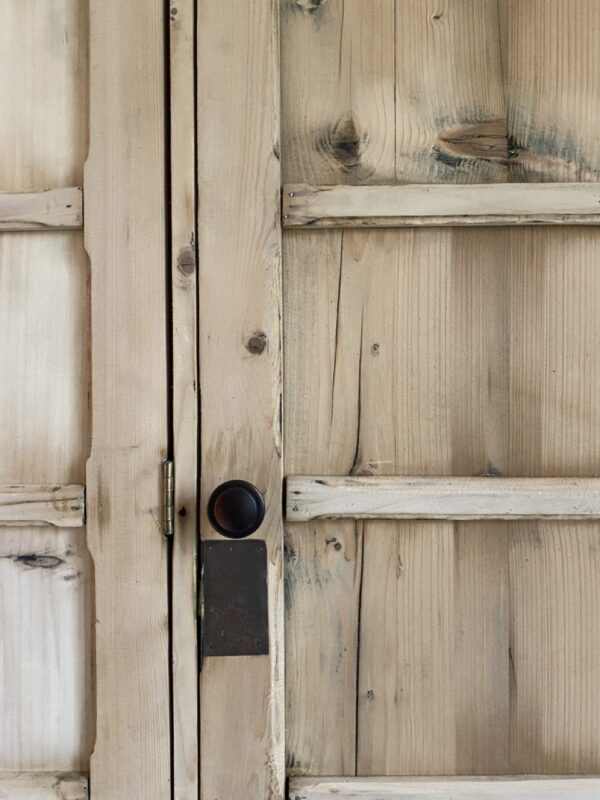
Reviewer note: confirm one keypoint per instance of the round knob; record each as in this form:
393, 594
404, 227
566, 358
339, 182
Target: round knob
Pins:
236, 509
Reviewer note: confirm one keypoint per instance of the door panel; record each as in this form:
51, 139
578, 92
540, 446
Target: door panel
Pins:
432, 647
474, 358
46, 577
84, 656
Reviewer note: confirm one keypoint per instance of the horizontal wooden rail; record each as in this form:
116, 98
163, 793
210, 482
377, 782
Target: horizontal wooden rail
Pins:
521, 788
43, 786
316, 497
62, 506
54, 209
431, 204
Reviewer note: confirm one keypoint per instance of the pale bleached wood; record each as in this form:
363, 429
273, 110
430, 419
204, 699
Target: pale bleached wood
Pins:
46, 701
368, 497
527, 788
322, 579
407, 707
452, 304
478, 357
323, 561
551, 62
555, 646
239, 253
45, 647
53, 209
344, 354
484, 204
42, 786
338, 91
433, 314
61, 506
338, 126
125, 238
481, 636
451, 105
185, 400
555, 636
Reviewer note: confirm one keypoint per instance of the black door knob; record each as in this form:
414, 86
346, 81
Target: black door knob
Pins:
236, 509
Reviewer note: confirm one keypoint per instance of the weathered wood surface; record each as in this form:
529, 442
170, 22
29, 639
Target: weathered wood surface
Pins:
350, 47
239, 253
62, 506
46, 701
533, 788
364, 497
426, 205
53, 209
441, 352
42, 786
125, 238
185, 400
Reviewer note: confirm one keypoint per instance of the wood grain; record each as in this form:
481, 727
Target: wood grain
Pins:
322, 582
450, 95
338, 116
554, 370
125, 238
62, 506
323, 562
239, 253
45, 647
555, 646
360, 325
484, 204
185, 399
54, 209
338, 126
534, 788
551, 66
445, 352
42, 786
450, 303
406, 691
46, 584
368, 497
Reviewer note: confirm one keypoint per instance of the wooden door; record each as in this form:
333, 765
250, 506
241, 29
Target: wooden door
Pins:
85, 678
412, 342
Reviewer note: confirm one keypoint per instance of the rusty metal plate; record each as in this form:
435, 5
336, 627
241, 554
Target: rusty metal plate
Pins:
235, 600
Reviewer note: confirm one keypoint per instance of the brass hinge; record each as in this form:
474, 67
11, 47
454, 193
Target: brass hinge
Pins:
168, 498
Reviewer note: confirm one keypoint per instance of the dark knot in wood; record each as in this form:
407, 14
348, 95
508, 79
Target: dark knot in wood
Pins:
309, 6
186, 261
343, 142
257, 343
488, 140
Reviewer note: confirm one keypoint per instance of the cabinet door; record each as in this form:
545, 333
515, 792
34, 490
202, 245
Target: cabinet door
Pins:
84, 630
407, 351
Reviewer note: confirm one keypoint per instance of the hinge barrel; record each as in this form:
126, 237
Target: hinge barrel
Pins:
168, 498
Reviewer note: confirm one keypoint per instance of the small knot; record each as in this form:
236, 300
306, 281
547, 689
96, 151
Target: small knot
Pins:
186, 261
257, 343
343, 141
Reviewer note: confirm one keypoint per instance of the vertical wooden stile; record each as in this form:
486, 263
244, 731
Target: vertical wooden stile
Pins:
185, 405
125, 239
241, 698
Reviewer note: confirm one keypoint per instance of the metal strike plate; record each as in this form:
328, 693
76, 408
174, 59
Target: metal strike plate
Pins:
235, 600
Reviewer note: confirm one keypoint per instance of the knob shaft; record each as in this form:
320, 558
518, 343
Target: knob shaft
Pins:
236, 509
